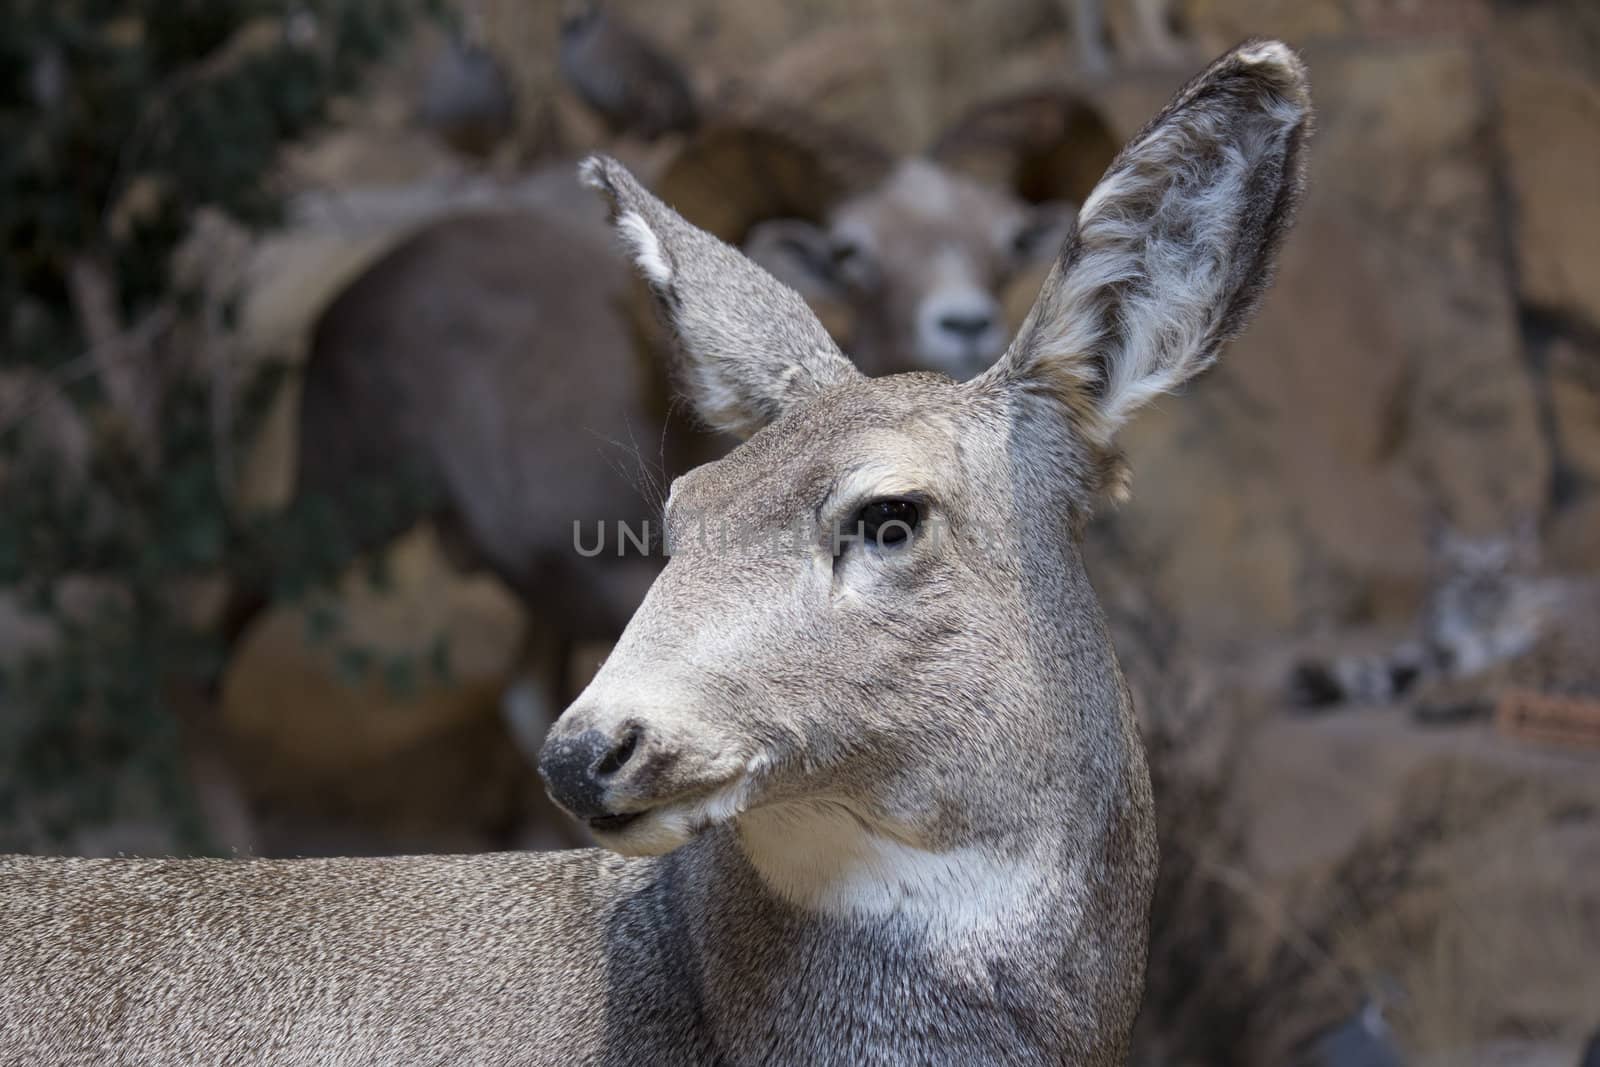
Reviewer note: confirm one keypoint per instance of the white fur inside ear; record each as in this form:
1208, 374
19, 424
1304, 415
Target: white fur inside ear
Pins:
591, 172
645, 247
1156, 242
1274, 52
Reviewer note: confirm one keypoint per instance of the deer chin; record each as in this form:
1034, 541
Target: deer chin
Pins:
658, 830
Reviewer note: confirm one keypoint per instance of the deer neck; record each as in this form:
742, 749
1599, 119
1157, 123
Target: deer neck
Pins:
800, 916
1021, 919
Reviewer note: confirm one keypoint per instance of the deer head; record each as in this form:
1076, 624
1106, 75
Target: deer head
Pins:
912, 258
874, 655
923, 259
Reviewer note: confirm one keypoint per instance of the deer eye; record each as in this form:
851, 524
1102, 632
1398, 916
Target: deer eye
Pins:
888, 523
1028, 242
845, 253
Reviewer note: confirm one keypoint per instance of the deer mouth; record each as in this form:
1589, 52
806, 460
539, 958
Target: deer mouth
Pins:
674, 822
611, 824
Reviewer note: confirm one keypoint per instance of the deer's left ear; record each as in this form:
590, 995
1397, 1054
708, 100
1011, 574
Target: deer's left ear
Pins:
750, 345
1173, 248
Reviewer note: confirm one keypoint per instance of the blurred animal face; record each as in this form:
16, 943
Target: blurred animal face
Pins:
1486, 607
921, 262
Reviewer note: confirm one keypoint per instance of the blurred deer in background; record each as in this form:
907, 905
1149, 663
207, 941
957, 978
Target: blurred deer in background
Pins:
916, 253
882, 787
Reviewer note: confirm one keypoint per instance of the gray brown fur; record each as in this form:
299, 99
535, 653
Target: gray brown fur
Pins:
888, 806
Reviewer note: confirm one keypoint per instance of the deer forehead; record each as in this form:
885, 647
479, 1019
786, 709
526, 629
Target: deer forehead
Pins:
875, 437
923, 204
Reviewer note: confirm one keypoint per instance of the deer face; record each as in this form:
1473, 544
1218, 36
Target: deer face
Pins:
875, 617
922, 262
811, 601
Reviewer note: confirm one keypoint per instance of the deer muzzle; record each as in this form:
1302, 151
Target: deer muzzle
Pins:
641, 783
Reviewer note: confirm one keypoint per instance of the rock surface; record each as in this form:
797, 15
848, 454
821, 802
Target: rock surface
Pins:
1546, 75
360, 727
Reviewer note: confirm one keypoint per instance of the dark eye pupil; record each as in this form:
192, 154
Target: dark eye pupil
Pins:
845, 252
888, 522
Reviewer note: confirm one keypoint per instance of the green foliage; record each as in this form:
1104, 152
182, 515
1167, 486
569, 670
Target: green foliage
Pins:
98, 96
120, 120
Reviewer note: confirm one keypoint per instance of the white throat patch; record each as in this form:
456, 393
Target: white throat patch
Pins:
822, 858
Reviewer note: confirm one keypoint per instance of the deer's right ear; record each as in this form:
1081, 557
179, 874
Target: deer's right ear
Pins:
750, 346
1174, 247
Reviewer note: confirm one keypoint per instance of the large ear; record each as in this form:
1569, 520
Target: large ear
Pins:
1174, 247
750, 346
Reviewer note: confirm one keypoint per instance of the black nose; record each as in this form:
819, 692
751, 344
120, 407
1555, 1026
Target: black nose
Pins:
970, 326
577, 769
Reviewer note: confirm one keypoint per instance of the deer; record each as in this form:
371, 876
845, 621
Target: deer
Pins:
867, 777
914, 256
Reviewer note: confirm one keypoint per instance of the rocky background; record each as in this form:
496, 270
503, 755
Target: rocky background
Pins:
1338, 886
